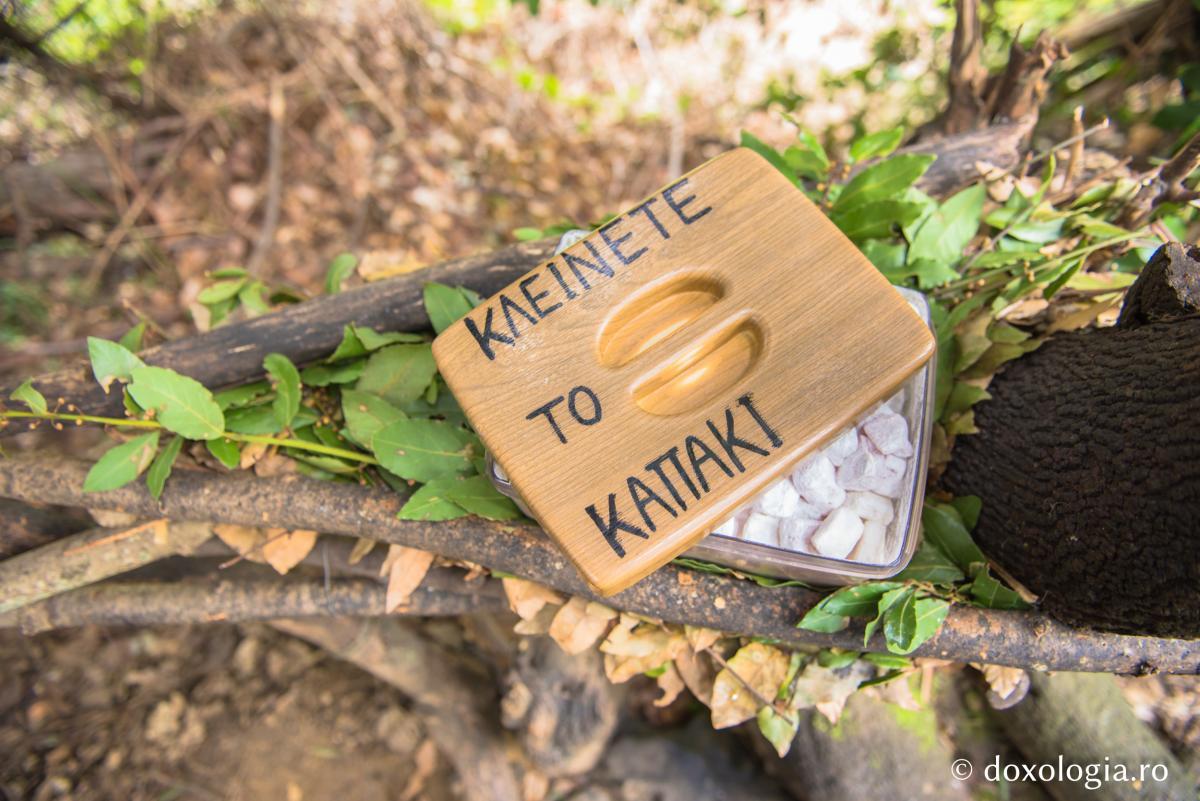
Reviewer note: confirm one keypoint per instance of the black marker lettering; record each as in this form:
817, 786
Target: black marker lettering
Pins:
731, 440
487, 335
609, 528
508, 305
747, 401
553, 268
691, 444
642, 497
545, 409
655, 467
597, 413
615, 244
677, 205
645, 208
533, 299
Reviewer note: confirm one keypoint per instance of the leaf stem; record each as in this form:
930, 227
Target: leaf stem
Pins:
262, 439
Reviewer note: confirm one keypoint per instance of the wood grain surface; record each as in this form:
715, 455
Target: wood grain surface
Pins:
650, 379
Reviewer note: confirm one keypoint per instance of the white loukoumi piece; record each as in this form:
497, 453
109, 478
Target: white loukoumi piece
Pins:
872, 547
816, 481
888, 432
896, 402
868, 470
842, 446
794, 533
729, 528
779, 500
838, 535
871, 507
761, 528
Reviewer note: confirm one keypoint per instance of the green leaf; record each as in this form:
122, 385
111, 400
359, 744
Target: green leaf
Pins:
445, 305
340, 269
817, 619
988, 592
889, 599
132, 339
365, 414
1060, 280
226, 452
322, 375
835, 658
963, 396
946, 233
111, 361
882, 181
876, 220
29, 396
359, 340
399, 373
931, 273
479, 497
240, 396
969, 507
422, 450
286, 379
858, 600
253, 300
929, 615
181, 404
122, 463
888, 661
779, 730
876, 145
220, 291
160, 468
900, 623
429, 502
770, 154
944, 527
261, 420
527, 234
229, 272
930, 564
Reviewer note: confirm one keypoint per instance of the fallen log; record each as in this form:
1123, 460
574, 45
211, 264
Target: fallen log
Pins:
233, 354
674, 594
1086, 462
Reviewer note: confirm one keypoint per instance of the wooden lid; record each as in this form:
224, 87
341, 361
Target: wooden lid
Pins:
653, 377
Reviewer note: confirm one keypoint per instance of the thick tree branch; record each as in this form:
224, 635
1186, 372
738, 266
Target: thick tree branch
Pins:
147, 603
672, 594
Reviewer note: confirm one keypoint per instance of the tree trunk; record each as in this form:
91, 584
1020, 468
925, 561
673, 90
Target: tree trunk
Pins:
1088, 463
1082, 719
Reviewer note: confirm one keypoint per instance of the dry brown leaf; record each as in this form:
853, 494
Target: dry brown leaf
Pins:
251, 453
527, 598
245, 540
424, 763
406, 569
534, 785
632, 649
755, 671
700, 638
107, 518
362, 547
285, 549
379, 264
898, 691
827, 689
1081, 316
698, 673
671, 684
576, 627
539, 623
1003, 680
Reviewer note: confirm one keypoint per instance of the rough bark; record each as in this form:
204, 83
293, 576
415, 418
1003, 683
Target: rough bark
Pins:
876, 750
673, 594
91, 556
1082, 719
1088, 464
30, 526
149, 603
453, 700
305, 332
563, 706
